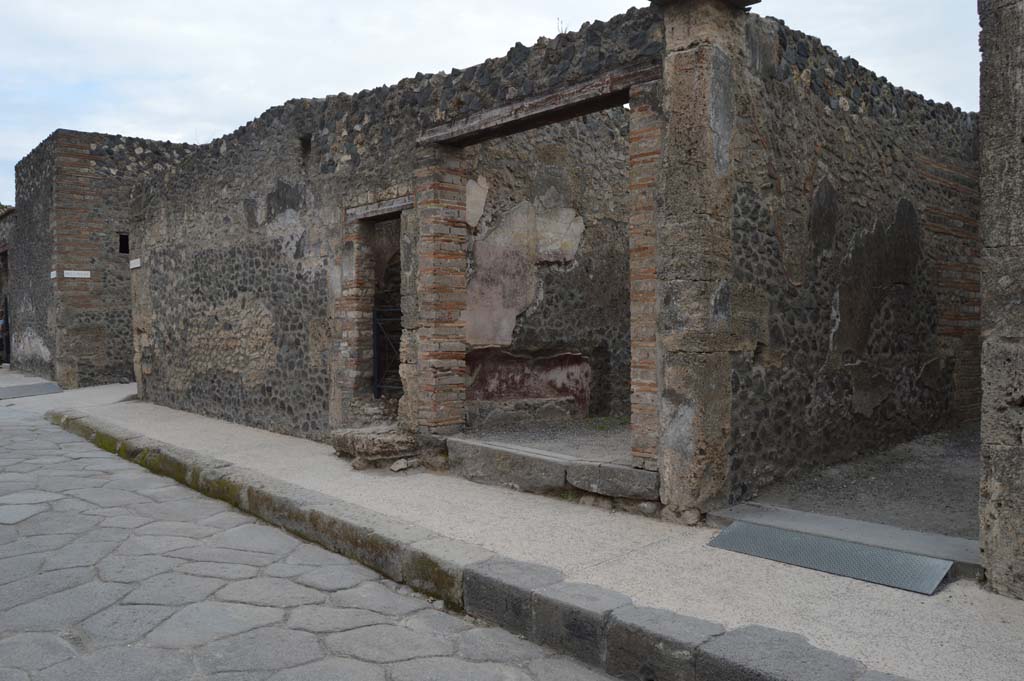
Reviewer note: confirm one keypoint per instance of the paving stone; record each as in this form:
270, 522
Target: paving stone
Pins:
134, 568
7, 534
454, 669
52, 522
323, 620
333, 670
125, 664
649, 644
176, 529
36, 544
59, 610
311, 554
120, 624
496, 645
270, 591
286, 571
227, 520
388, 643
72, 506
757, 653
240, 676
106, 497
173, 589
200, 623
500, 591
19, 567
13, 675
190, 510
30, 497
43, 584
10, 515
565, 669
572, 617
259, 538
219, 570
34, 651
378, 598
437, 622
337, 577
211, 554
156, 544
127, 521
117, 534
262, 649
79, 554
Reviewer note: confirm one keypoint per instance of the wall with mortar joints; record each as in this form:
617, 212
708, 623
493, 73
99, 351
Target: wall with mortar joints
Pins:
238, 305
95, 174
855, 260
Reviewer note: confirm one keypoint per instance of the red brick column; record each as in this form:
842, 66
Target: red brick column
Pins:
646, 133
354, 320
434, 355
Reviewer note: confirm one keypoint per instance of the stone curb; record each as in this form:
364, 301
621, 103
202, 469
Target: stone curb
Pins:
600, 627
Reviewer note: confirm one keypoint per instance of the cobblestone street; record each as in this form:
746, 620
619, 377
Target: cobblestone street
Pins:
111, 573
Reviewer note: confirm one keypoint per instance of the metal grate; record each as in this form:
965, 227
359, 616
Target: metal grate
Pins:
898, 569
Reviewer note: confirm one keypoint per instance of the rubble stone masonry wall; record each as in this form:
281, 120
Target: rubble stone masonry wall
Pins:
820, 285
248, 259
71, 300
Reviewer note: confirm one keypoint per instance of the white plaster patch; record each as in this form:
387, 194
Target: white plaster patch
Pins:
476, 199
27, 343
505, 283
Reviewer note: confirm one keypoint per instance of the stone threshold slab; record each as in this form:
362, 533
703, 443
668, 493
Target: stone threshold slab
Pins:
964, 553
599, 627
541, 471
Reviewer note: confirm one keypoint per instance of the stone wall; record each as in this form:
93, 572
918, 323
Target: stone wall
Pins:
31, 259
825, 268
1002, 167
71, 300
7, 218
253, 283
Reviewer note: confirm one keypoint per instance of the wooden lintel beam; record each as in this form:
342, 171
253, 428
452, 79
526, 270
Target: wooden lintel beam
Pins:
604, 92
380, 209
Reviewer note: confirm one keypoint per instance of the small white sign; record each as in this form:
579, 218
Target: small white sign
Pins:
77, 274
53, 274
135, 263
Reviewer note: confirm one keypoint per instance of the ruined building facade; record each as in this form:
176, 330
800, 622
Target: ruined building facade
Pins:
769, 260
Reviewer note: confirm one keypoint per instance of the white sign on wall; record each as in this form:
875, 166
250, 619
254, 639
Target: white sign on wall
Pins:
135, 263
53, 274
77, 274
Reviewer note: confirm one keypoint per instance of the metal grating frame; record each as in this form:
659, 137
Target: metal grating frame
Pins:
898, 569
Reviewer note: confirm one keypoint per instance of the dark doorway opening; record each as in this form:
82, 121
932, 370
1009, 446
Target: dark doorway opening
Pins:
387, 330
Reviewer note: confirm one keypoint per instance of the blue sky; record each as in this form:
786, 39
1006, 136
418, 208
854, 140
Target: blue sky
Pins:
189, 71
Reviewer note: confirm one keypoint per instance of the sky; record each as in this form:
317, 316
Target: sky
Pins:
190, 71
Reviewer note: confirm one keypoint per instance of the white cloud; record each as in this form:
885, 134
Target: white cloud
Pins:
190, 70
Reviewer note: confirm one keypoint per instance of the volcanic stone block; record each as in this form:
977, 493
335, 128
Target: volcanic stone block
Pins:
651, 644
573, 618
501, 591
762, 654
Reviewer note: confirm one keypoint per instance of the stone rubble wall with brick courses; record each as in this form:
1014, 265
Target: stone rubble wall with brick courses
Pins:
843, 307
74, 191
1002, 430
245, 304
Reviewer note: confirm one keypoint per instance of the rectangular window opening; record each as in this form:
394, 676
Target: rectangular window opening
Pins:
122, 243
